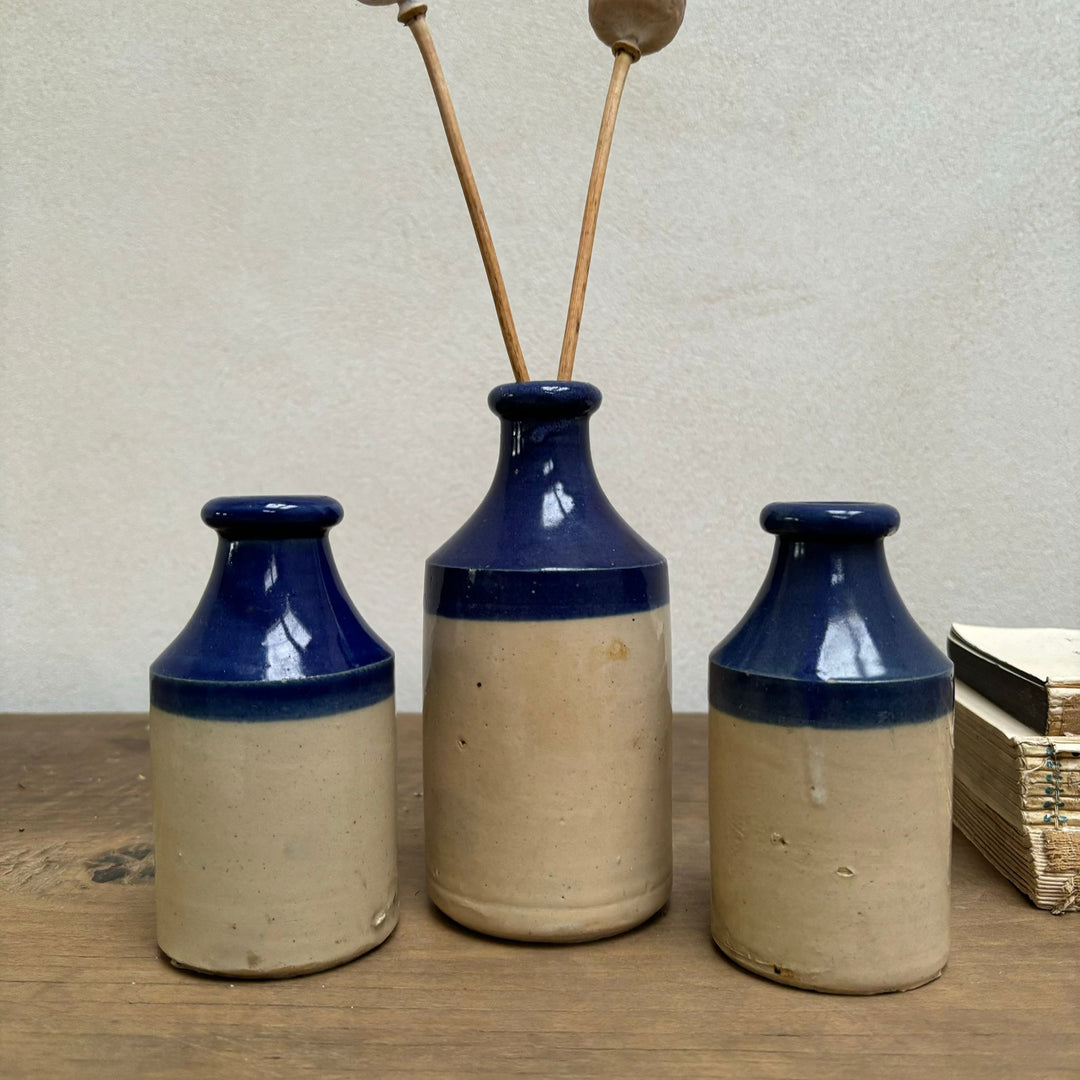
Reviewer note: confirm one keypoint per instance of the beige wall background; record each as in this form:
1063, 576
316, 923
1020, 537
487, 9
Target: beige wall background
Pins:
839, 257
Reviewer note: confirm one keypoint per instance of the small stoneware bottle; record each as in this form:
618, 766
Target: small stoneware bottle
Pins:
547, 703
273, 750
830, 766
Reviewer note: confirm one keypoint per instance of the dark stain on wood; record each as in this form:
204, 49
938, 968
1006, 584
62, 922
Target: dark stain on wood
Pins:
130, 865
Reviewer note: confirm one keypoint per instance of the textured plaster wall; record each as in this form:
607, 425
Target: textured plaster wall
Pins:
838, 257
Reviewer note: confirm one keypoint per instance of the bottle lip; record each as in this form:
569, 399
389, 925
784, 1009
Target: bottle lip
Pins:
831, 520
544, 400
268, 516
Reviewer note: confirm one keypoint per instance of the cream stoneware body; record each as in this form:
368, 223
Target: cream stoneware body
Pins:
830, 767
547, 705
273, 751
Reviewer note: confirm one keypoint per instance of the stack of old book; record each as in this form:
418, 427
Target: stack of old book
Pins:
1016, 793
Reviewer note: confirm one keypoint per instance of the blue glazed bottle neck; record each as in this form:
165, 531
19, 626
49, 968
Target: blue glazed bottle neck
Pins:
284, 591
546, 464
274, 607
545, 508
828, 611
829, 576
545, 458
827, 642
844, 596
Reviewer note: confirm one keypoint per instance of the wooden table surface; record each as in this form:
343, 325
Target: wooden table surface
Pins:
84, 991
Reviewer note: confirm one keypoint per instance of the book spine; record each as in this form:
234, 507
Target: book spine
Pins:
1063, 711
1045, 865
1061, 850
1050, 787
1027, 701
1049, 784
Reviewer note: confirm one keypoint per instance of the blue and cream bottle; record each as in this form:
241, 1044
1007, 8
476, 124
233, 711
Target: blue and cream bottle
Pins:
547, 704
273, 750
830, 766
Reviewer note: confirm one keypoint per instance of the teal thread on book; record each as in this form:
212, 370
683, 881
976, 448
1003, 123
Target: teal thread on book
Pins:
1055, 789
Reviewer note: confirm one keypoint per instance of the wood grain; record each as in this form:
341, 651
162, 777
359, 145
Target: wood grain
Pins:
84, 991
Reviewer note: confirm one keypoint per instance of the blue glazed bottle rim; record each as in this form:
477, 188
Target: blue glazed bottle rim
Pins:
256, 517
544, 400
831, 520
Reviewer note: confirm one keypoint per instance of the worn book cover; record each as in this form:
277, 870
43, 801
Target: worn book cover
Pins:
1031, 672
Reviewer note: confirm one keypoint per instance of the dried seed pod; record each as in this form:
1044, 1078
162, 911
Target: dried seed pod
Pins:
406, 8
639, 26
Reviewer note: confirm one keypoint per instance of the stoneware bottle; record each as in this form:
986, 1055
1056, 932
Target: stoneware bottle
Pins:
830, 766
272, 743
547, 703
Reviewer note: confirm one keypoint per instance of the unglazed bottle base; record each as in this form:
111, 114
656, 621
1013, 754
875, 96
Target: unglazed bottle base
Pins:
274, 840
789, 978
291, 972
547, 774
549, 924
830, 852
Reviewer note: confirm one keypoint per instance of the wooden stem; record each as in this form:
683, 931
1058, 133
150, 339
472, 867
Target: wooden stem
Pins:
623, 60
418, 25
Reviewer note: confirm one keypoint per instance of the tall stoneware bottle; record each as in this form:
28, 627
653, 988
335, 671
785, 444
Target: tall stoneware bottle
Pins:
830, 766
272, 743
547, 703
